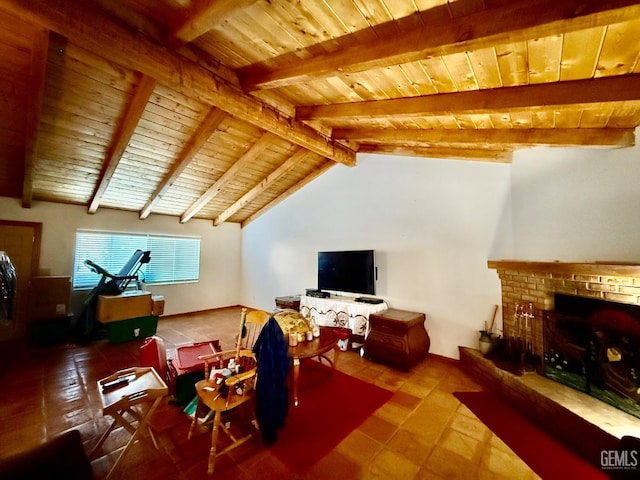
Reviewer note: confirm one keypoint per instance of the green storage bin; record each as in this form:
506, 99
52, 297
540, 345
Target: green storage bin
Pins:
132, 329
186, 387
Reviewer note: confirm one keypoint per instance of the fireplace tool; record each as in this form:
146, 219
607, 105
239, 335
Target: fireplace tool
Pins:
520, 340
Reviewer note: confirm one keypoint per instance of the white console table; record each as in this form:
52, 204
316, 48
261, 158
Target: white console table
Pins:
340, 312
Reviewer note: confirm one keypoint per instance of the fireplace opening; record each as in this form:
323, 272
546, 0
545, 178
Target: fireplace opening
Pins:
594, 346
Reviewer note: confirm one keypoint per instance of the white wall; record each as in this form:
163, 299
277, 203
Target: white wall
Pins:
577, 204
433, 223
219, 284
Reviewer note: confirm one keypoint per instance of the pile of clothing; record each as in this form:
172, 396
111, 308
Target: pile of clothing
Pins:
8, 284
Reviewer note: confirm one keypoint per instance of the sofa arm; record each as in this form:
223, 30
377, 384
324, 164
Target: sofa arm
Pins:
61, 457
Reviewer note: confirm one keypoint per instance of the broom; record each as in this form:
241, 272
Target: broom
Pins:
493, 321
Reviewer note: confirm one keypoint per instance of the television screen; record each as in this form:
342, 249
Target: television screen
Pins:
350, 271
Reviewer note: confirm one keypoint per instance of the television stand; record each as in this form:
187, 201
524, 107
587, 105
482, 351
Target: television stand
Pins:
340, 312
370, 300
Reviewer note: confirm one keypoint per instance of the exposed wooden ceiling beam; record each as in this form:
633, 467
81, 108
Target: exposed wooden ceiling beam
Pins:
308, 179
84, 26
123, 12
121, 139
523, 20
620, 88
287, 166
486, 155
557, 137
256, 149
205, 130
200, 18
34, 96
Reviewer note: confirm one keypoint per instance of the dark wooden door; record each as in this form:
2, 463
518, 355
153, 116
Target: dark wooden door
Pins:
21, 241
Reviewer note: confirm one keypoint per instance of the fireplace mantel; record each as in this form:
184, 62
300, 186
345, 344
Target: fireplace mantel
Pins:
569, 268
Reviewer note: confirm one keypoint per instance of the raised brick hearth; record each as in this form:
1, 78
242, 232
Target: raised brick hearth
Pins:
584, 423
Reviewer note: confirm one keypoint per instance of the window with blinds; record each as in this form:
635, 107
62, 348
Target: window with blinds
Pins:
173, 259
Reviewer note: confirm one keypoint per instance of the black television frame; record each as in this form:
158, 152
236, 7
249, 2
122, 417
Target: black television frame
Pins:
349, 271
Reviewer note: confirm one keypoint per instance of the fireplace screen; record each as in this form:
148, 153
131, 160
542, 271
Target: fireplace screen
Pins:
594, 346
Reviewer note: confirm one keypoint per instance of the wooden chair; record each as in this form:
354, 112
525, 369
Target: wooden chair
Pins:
252, 326
221, 393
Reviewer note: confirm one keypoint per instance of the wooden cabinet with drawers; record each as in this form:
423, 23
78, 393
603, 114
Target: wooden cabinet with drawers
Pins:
397, 338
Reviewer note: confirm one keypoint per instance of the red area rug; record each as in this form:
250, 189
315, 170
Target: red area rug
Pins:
546, 456
331, 406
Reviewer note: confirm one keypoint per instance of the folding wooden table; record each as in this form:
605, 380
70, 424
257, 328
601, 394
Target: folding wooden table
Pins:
120, 393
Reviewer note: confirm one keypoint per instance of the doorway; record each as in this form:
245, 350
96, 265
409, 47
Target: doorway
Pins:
21, 242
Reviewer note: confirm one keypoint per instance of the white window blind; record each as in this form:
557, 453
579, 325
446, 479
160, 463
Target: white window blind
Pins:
173, 259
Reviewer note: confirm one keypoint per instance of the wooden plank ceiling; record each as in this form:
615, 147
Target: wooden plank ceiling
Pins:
220, 109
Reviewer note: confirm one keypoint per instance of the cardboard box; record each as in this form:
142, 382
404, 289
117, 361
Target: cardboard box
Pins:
132, 329
49, 297
157, 305
129, 304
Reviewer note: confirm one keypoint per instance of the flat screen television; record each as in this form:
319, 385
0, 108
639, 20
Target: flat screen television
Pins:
350, 271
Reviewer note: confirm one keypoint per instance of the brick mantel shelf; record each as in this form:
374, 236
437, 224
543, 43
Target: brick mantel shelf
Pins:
595, 268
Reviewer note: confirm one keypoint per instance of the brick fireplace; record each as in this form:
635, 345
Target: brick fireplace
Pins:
536, 283
585, 423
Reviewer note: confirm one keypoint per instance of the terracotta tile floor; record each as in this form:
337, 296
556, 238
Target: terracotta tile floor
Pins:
422, 432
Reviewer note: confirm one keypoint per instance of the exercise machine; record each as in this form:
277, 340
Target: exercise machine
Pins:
109, 284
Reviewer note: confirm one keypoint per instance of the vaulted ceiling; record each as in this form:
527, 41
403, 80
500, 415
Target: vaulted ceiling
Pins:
220, 109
